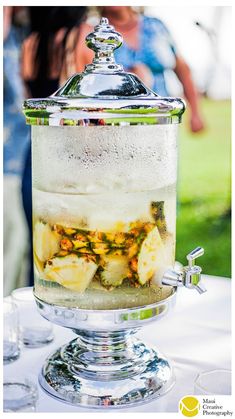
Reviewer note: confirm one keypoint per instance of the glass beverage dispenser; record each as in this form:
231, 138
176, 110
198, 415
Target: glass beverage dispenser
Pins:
104, 152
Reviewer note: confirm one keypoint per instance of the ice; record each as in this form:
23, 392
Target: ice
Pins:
113, 211
99, 159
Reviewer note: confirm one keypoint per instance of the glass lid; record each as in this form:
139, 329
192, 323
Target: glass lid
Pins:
104, 94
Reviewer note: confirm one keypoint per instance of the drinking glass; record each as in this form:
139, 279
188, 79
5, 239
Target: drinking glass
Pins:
19, 395
34, 329
213, 382
11, 350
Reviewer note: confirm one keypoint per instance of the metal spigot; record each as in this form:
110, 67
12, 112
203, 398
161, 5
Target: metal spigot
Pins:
190, 276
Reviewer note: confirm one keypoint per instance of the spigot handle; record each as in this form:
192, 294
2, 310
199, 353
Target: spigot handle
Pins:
192, 256
200, 288
190, 277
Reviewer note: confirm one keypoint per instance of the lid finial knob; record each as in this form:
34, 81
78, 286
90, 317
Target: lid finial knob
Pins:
103, 41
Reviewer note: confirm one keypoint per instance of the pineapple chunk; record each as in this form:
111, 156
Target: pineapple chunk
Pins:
152, 258
38, 264
66, 244
69, 231
115, 270
45, 242
71, 271
158, 213
78, 244
100, 248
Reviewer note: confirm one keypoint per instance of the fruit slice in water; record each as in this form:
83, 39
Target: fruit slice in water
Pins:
38, 263
45, 241
71, 271
115, 270
151, 259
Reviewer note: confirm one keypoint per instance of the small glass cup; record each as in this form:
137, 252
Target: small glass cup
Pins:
34, 329
214, 382
19, 396
11, 350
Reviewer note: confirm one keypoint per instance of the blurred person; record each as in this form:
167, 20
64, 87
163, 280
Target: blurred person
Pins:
16, 140
47, 61
148, 50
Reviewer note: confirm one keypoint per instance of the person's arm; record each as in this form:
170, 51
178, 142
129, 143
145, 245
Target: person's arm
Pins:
7, 18
183, 73
83, 54
27, 58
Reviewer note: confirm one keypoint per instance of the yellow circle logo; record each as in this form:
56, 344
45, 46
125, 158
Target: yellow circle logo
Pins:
189, 406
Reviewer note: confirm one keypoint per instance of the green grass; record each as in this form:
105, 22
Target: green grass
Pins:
204, 190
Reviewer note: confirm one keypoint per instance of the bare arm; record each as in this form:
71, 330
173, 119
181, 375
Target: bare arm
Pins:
7, 16
183, 73
83, 55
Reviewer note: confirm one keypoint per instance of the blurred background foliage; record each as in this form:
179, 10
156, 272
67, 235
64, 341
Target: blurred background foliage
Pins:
204, 208
204, 181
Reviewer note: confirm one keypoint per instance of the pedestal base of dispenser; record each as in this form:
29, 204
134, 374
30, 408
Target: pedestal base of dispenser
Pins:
106, 370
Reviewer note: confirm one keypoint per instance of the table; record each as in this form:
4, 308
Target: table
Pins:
196, 336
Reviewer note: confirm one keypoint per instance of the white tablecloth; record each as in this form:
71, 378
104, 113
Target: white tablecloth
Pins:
196, 336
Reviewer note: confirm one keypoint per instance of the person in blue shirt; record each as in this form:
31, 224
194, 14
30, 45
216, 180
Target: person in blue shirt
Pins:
153, 48
16, 133
148, 50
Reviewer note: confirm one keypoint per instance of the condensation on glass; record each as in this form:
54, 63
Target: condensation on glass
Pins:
103, 213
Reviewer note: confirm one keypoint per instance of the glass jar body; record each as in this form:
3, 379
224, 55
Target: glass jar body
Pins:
104, 212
